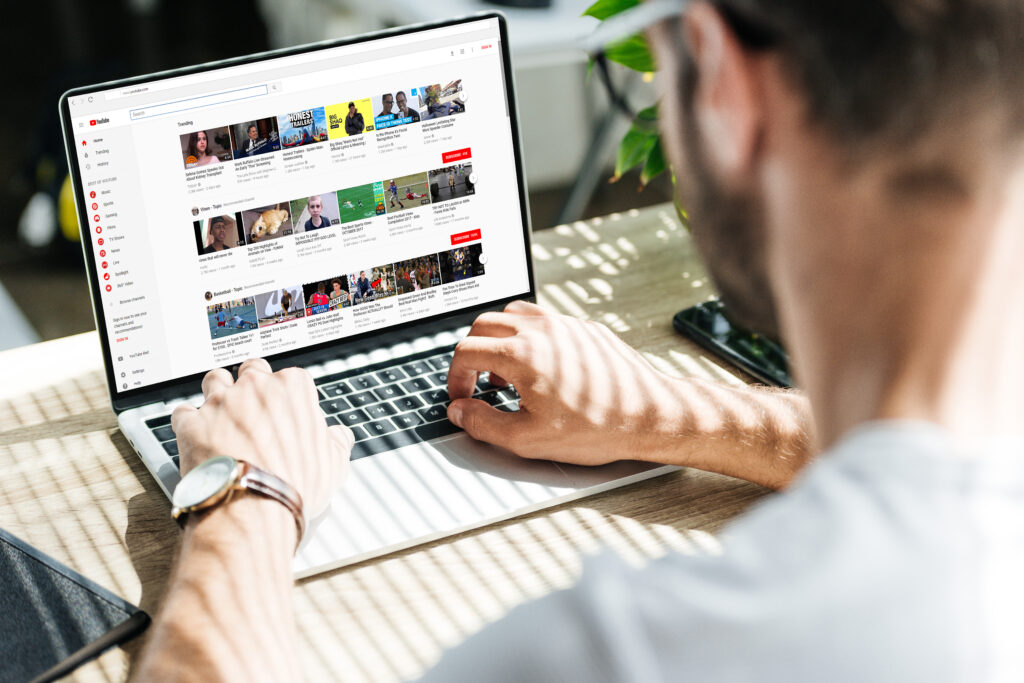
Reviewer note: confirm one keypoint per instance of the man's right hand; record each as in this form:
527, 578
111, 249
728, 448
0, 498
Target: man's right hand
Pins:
587, 398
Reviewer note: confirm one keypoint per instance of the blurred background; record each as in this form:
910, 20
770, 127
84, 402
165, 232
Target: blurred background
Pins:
569, 134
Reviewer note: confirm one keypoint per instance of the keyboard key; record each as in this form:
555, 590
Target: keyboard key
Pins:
490, 397
407, 403
353, 417
390, 391
418, 384
401, 438
335, 406
335, 389
509, 407
164, 433
174, 459
391, 375
362, 399
158, 421
380, 410
364, 382
379, 428
359, 433
440, 378
407, 420
416, 369
434, 413
171, 447
441, 362
436, 396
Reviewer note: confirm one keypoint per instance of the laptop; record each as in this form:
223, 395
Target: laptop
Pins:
349, 207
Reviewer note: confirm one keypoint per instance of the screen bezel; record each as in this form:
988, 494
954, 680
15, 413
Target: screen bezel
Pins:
184, 386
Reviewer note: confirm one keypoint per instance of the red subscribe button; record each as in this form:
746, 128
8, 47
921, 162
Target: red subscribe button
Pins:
455, 155
468, 236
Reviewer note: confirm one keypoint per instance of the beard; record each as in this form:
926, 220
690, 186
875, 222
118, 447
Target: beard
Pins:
728, 229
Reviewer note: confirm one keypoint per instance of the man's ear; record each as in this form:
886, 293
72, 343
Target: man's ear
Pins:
727, 103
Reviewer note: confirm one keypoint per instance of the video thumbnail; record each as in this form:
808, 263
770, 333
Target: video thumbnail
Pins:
315, 212
413, 275
363, 201
461, 263
406, 192
349, 118
250, 138
327, 295
451, 182
218, 233
205, 147
231, 317
437, 101
371, 284
266, 223
280, 306
305, 127
394, 109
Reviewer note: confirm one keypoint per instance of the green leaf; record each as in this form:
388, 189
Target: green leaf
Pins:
634, 149
632, 53
655, 164
648, 114
602, 9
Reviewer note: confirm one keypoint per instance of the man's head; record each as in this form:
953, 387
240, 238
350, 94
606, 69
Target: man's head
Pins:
336, 286
315, 206
252, 131
351, 108
362, 274
777, 114
400, 99
387, 102
219, 230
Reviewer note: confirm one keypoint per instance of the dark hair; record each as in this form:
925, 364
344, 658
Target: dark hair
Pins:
252, 125
217, 219
351, 104
193, 141
889, 71
336, 281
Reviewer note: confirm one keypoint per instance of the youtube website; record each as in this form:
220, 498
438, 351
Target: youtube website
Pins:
303, 206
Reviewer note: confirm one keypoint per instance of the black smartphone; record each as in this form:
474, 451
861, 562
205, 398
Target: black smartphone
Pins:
755, 354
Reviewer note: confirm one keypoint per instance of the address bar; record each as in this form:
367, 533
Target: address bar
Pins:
198, 102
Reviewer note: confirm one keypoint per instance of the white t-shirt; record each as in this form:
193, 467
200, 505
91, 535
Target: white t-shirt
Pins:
893, 558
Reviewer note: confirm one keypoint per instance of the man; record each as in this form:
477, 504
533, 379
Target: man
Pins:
315, 205
363, 286
853, 172
387, 103
219, 231
253, 144
404, 112
339, 296
354, 121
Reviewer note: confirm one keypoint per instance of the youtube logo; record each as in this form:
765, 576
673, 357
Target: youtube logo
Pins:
92, 122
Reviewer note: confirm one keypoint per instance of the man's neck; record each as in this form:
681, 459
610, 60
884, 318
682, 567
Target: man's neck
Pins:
916, 312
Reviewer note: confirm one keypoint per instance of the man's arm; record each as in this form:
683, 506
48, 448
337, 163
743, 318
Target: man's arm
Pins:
228, 613
587, 398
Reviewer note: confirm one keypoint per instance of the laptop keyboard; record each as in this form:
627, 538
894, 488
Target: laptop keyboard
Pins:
387, 406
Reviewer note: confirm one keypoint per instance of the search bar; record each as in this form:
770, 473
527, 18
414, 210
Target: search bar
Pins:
199, 102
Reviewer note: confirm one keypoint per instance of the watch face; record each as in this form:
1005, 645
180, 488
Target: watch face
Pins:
204, 481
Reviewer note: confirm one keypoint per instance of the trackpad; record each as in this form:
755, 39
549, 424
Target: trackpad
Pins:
469, 454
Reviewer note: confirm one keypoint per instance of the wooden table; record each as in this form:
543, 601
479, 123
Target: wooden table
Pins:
72, 486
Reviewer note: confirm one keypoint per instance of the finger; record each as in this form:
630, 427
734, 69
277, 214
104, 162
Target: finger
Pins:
215, 379
493, 324
486, 423
474, 355
526, 308
344, 437
254, 365
497, 381
182, 414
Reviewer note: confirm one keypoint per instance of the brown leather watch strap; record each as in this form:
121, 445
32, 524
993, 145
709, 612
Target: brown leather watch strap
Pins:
266, 484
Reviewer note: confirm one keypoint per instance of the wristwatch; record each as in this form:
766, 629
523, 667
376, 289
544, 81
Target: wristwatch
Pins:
215, 482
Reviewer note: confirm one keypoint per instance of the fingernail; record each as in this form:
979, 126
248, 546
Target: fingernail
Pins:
455, 414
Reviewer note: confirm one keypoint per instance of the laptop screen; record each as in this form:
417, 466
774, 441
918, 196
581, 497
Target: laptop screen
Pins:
279, 203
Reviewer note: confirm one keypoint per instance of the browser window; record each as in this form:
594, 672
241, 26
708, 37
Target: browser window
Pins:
266, 207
